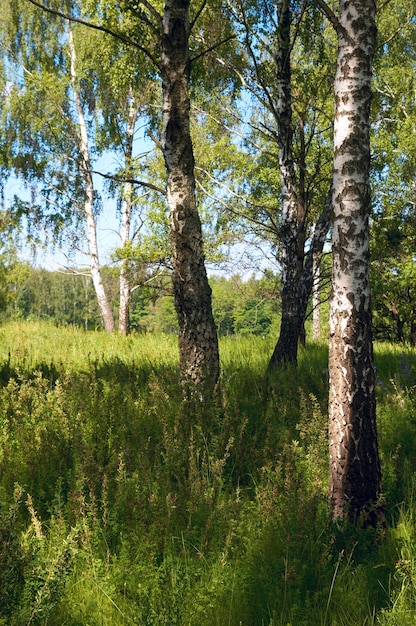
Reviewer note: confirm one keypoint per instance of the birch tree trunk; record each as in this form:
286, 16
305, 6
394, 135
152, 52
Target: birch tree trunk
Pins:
313, 258
125, 287
355, 477
296, 267
124, 281
85, 172
287, 345
316, 303
198, 342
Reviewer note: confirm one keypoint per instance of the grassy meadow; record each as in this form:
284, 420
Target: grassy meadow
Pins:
119, 505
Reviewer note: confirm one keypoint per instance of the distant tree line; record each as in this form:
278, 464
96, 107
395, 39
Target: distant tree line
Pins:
65, 298
249, 306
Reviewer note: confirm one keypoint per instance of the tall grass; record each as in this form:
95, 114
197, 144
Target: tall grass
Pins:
118, 505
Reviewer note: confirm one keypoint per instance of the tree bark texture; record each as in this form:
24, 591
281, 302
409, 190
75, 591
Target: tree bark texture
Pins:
316, 302
198, 342
85, 171
287, 345
355, 477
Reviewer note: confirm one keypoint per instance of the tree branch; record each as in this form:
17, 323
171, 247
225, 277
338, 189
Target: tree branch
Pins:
383, 5
153, 11
144, 18
99, 27
239, 197
211, 48
395, 33
197, 14
132, 181
328, 12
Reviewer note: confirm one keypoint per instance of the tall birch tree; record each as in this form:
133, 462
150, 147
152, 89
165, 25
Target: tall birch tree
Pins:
291, 122
198, 342
355, 475
126, 217
292, 209
88, 187
49, 123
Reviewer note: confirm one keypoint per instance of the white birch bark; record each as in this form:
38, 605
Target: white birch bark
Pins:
355, 479
86, 175
316, 304
125, 288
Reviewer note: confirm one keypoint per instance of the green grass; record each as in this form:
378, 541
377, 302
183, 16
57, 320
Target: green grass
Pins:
118, 505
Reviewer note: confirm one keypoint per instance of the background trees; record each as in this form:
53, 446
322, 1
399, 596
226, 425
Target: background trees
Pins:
240, 307
290, 144
394, 174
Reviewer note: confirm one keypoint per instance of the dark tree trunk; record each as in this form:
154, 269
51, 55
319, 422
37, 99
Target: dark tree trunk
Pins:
287, 345
355, 476
198, 342
297, 269
398, 321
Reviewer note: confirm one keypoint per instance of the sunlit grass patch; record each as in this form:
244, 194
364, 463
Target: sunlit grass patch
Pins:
136, 508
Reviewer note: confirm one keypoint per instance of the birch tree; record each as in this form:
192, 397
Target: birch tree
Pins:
198, 342
88, 186
126, 216
286, 348
291, 123
100, 80
49, 123
355, 475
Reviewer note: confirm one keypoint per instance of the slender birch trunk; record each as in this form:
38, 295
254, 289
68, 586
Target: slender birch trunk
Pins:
316, 303
313, 258
125, 288
296, 267
85, 171
198, 342
355, 476
124, 280
287, 345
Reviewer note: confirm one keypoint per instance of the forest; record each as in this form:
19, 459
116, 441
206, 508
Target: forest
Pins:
207, 403
241, 305
248, 306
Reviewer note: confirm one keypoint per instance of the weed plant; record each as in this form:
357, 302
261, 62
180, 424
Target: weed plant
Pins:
121, 505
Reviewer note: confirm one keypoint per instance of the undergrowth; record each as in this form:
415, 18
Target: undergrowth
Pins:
119, 505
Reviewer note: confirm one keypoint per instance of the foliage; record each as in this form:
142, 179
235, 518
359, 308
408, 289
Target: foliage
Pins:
132, 509
394, 171
242, 307
67, 298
